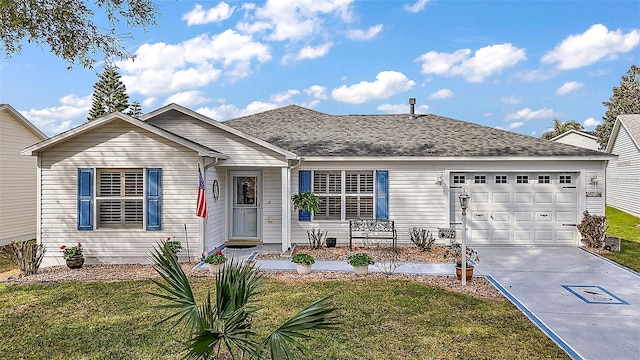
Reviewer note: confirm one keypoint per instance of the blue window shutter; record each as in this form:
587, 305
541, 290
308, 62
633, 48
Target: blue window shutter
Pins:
382, 195
304, 184
85, 199
154, 199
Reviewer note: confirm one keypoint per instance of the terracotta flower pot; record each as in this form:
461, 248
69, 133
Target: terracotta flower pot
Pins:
75, 262
361, 270
469, 272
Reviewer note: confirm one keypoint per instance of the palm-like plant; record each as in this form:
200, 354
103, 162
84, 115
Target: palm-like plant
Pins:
226, 324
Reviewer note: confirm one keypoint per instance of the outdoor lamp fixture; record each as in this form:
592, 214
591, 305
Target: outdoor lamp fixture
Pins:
464, 205
440, 180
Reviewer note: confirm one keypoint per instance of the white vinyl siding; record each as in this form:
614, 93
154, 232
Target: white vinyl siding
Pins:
623, 174
215, 228
271, 206
118, 145
18, 186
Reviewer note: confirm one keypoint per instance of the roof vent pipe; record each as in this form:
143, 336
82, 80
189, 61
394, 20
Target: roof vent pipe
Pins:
412, 106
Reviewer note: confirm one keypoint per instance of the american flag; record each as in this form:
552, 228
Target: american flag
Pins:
201, 210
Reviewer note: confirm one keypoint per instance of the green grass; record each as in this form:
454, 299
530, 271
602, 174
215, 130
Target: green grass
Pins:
624, 226
5, 263
381, 319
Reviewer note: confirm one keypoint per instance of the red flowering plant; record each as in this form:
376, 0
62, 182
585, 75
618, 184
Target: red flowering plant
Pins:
69, 252
216, 259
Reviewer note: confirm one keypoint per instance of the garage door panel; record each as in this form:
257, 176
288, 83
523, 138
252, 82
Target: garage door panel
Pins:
502, 235
565, 236
479, 236
566, 198
565, 216
522, 236
501, 198
522, 198
519, 216
480, 216
480, 198
501, 216
543, 235
544, 216
543, 198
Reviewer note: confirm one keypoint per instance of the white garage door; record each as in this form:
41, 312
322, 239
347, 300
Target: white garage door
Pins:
517, 208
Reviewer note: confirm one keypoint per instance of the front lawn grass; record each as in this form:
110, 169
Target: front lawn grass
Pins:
5, 263
624, 226
381, 319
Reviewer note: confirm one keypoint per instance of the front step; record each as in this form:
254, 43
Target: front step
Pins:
243, 243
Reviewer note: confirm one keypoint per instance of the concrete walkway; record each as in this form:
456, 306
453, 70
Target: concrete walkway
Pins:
588, 305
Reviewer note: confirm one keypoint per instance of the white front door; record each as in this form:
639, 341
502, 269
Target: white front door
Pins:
245, 198
528, 208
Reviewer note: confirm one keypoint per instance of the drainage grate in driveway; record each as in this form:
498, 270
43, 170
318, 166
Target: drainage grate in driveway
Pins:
593, 294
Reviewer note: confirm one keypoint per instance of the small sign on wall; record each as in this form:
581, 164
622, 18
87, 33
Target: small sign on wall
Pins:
594, 193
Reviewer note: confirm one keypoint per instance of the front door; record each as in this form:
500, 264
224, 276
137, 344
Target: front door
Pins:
245, 205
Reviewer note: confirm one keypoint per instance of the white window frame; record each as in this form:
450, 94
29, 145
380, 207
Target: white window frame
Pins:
342, 195
138, 197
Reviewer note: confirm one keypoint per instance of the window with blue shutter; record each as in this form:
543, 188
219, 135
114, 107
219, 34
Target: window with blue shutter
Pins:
85, 199
304, 184
153, 198
382, 195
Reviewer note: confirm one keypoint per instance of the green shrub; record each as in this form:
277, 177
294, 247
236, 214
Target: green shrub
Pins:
360, 259
26, 255
592, 230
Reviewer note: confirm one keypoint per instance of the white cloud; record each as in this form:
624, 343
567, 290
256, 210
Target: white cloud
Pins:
317, 91
72, 111
510, 100
593, 45
401, 109
528, 114
294, 20
515, 125
569, 87
417, 6
441, 94
310, 52
226, 112
485, 62
189, 98
284, 97
387, 84
590, 122
161, 68
199, 16
149, 102
360, 35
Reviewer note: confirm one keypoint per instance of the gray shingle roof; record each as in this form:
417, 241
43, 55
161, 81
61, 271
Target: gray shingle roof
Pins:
632, 123
311, 133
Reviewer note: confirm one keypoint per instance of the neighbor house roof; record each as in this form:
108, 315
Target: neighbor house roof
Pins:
23, 120
309, 133
576, 132
81, 129
630, 122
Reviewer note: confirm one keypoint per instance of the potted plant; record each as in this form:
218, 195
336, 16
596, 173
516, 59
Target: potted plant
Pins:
173, 245
215, 262
303, 263
73, 256
360, 263
306, 201
472, 256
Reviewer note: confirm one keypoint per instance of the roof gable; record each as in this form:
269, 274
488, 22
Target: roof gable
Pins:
86, 127
175, 107
576, 133
312, 133
26, 123
632, 124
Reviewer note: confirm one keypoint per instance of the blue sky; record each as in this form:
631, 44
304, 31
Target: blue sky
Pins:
513, 65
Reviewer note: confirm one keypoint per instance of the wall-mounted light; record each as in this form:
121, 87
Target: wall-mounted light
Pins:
440, 180
594, 180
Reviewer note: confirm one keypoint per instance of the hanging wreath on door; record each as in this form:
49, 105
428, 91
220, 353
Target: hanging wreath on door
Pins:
216, 190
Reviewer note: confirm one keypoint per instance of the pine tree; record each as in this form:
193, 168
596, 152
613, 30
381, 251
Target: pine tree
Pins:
109, 94
136, 109
625, 100
560, 128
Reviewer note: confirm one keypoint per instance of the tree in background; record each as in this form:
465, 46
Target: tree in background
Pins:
109, 94
625, 100
74, 30
136, 109
560, 128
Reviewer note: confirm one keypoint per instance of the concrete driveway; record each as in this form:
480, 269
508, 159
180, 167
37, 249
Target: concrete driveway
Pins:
590, 306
